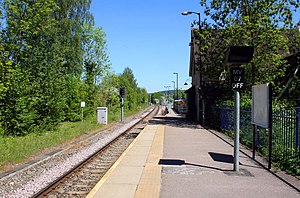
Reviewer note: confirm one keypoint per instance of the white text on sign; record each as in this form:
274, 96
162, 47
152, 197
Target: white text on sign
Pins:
237, 85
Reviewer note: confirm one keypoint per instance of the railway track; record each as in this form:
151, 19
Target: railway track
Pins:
80, 180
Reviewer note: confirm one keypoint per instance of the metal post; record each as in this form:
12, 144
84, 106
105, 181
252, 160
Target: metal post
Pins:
201, 70
203, 111
297, 128
82, 104
176, 108
82, 114
198, 99
236, 129
122, 109
198, 104
253, 140
177, 86
173, 90
270, 126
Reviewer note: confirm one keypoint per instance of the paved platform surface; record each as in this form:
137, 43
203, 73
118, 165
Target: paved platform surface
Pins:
171, 158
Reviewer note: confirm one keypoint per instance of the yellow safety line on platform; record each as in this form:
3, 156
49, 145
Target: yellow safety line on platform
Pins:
149, 185
114, 166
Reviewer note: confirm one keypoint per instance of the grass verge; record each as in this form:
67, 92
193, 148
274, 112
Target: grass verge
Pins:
17, 149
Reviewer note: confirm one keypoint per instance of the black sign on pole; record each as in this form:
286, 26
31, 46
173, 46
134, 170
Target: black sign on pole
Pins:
239, 55
237, 78
122, 92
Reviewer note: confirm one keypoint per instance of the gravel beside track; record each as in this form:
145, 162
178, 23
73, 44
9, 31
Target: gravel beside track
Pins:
82, 181
30, 180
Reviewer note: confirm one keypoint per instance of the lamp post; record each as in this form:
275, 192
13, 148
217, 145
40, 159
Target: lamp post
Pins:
176, 87
173, 89
199, 96
176, 84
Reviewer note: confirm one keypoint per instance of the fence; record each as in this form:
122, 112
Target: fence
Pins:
285, 136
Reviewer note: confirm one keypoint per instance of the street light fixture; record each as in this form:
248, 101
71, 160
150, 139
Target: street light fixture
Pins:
200, 65
199, 28
189, 12
185, 83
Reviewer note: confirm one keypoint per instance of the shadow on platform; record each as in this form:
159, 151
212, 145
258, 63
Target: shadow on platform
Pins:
180, 122
172, 166
179, 162
218, 157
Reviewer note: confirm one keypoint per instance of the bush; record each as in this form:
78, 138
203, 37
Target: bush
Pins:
287, 160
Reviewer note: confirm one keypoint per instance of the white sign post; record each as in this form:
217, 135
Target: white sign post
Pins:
82, 104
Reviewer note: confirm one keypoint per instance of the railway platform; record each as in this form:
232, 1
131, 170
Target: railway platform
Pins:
174, 158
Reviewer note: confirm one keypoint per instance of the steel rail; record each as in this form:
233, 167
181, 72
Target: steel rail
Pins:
46, 190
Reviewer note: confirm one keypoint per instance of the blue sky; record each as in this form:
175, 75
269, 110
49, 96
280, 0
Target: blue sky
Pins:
150, 37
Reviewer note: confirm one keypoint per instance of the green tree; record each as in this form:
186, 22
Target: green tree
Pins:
109, 92
68, 36
42, 53
5, 64
95, 52
128, 81
71, 17
262, 24
27, 26
135, 96
157, 97
96, 62
142, 96
52, 58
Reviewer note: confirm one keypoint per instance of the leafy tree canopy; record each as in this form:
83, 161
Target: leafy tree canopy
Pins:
267, 25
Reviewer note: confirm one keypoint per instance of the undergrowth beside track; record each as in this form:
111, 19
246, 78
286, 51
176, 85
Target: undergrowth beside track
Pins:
14, 150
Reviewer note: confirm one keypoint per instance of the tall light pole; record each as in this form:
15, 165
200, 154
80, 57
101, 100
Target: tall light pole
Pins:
173, 90
176, 88
176, 85
200, 66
